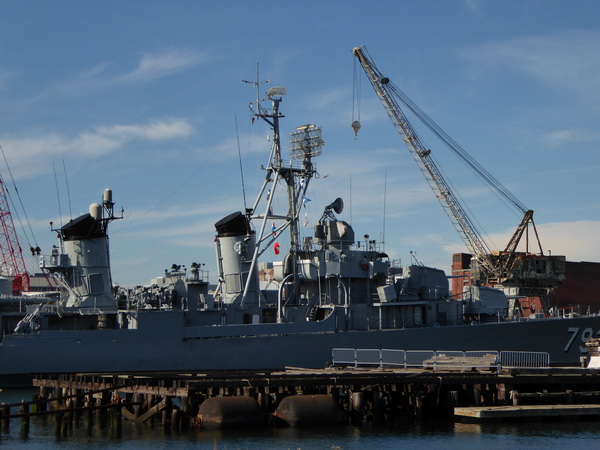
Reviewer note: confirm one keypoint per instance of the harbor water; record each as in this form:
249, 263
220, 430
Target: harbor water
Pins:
439, 435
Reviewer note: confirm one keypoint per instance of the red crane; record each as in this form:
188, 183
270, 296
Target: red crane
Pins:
12, 256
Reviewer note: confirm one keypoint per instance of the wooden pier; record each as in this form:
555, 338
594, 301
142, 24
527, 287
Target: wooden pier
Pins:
178, 401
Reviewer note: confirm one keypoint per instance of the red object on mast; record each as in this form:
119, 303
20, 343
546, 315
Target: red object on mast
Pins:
12, 256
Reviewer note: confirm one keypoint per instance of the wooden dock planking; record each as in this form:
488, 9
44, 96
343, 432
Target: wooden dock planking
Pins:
526, 411
180, 385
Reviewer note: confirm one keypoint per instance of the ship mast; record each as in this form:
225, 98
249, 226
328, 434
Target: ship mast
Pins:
305, 142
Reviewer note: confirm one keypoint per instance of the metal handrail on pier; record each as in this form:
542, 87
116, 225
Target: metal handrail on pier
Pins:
439, 360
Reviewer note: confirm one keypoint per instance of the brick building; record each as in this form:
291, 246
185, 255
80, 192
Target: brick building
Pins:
579, 293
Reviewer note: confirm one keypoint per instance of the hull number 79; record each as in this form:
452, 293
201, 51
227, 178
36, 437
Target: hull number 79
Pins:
584, 336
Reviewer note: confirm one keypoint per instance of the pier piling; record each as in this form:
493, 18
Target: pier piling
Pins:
176, 402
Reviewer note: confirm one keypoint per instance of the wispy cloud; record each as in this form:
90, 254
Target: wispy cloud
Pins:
228, 148
558, 138
5, 75
474, 6
140, 217
280, 61
88, 78
328, 99
155, 131
568, 59
157, 65
149, 67
28, 156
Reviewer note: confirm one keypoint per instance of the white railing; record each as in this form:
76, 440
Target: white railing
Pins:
343, 356
439, 360
393, 357
371, 357
416, 358
525, 359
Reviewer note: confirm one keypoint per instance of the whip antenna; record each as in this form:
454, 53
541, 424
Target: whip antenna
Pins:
57, 195
237, 134
68, 190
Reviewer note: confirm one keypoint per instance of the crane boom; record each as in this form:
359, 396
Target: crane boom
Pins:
422, 156
534, 274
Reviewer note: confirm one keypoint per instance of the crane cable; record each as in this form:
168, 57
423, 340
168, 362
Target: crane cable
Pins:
237, 135
460, 152
499, 190
356, 97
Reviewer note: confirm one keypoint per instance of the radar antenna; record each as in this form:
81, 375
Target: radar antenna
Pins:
337, 206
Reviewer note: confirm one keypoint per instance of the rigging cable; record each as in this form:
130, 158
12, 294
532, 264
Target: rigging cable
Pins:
57, 194
384, 204
173, 192
68, 190
237, 135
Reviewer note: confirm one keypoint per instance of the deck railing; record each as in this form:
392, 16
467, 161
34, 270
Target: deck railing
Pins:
439, 360
524, 359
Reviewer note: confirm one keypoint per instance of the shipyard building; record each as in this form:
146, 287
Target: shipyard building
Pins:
578, 294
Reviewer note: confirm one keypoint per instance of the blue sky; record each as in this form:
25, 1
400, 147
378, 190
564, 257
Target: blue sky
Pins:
144, 97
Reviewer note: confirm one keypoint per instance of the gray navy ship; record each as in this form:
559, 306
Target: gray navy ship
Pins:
330, 291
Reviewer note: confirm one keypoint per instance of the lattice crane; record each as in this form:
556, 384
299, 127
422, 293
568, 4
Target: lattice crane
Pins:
493, 267
12, 256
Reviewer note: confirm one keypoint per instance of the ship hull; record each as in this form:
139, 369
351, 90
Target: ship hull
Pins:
199, 349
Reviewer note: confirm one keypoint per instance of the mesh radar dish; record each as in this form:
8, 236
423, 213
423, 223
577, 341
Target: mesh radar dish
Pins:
276, 91
306, 142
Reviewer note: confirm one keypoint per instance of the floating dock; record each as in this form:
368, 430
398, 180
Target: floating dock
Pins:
527, 412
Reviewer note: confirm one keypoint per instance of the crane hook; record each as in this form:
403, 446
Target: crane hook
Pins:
356, 127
